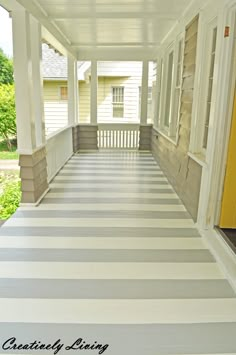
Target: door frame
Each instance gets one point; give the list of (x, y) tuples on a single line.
[(212, 182)]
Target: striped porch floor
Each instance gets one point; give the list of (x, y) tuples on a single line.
[(111, 257)]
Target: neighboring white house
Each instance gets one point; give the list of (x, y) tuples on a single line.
[(119, 91)]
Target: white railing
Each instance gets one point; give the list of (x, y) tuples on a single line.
[(118, 136), (59, 149)]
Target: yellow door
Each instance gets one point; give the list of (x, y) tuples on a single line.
[(228, 208)]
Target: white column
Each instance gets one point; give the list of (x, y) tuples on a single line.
[(144, 94), (26, 138), (72, 91), (93, 93), (37, 79)]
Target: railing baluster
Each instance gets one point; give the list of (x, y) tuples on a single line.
[(118, 136), (115, 139)]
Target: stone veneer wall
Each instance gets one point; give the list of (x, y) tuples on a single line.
[(33, 173), (183, 172)]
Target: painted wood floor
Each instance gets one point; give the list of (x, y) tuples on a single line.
[(112, 257)]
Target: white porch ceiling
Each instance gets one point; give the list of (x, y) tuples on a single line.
[(112, 26)]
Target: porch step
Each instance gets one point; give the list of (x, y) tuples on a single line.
[(116, 270)]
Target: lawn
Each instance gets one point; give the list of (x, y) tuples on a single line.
[(10, 193), (6, 154)]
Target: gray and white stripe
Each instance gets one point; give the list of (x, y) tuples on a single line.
[(111, 255)]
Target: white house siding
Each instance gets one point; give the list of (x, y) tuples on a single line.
[(128, 75), (55, 110), (120, 69), (131, 98), (84, 101)]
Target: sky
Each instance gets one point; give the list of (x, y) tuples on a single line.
[(5, 32)]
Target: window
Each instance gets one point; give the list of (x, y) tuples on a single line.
[(204, 87), (159, 84), (168, 90), (209, 90), (63, 93), (177, 89), (118, 102)]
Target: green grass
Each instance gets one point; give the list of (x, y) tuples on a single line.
[(10, 193), (6, 154)]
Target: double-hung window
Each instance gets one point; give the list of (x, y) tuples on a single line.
[(177, 88), (170, 88), (118, 101), (203, 96), (209, 88), (168, 97)]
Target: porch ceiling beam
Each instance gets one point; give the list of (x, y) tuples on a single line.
[(36, 10), (114, 44), (9, 5), (114, 53), (114, 15)]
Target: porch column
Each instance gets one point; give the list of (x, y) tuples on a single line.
[(29, 105), (145, 130), (26, 137), (72, 91), (37, 79), (144, 94), (93, 93), (73, 115)]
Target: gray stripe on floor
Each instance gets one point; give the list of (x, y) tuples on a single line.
[(99, 232), (106, 255), (102, 214), (125, 200), (111, 189), (113, 289)]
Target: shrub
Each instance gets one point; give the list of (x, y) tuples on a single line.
[(7, 113), (9, 196), (6, 69)]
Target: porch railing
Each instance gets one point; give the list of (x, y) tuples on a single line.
[(118, 136), (59, 150)]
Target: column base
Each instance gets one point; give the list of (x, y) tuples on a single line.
[(85, 137), (33, 173), (145, 137)]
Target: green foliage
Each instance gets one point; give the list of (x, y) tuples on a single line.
[(6, 69), (5, 153), (10, 194), (7, 113)]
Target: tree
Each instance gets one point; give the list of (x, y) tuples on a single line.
[(7, 113), (6, 69)]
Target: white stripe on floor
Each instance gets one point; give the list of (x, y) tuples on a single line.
[(104, 207), (118, 311), (101, 243), (107, 270)]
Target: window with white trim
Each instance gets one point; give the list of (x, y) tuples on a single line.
[(63, 93), (159, 83), (205, 77), (169, 80), (177, 89), (170, 88), (118, 101), (209, 90)]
